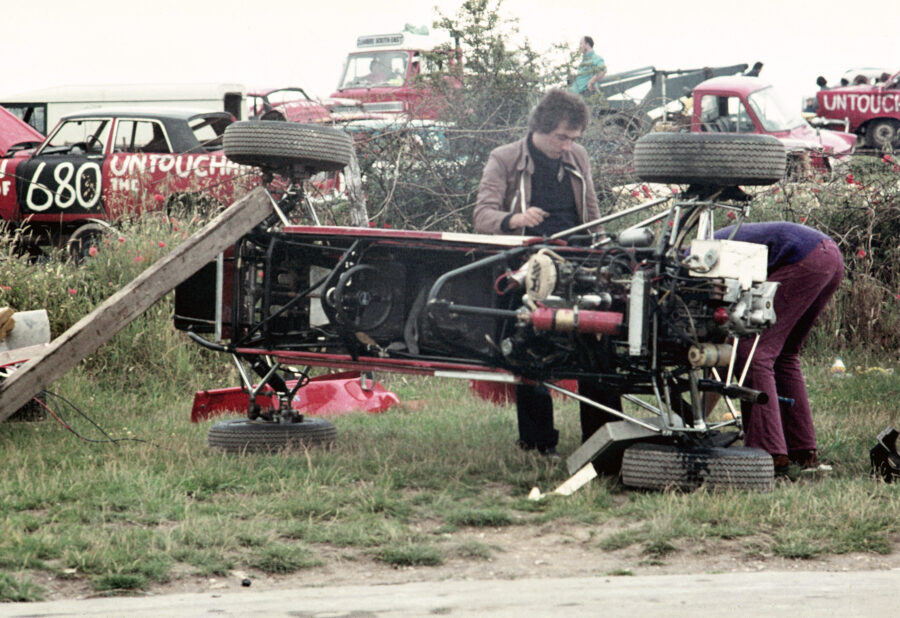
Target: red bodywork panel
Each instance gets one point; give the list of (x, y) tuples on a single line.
[(326, 395), (14, 131)]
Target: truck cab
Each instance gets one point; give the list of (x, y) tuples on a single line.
[(382, 72), (741, 104)]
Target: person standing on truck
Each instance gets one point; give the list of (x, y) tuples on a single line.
[(538, 186), (809, 267), (590, 70)]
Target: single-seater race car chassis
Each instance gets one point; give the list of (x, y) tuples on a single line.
[(652, 311)]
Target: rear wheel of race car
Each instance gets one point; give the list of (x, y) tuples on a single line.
[(242, 435), (664, 466), (277, 145), (709, 159)]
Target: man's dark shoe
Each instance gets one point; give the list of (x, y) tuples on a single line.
[(782, 465), (549, 452)]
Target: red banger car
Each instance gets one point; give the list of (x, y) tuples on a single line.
[(872, 111), (291, 104), (97, 166)]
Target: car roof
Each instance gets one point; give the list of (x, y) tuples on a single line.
[(738, 84), (146, 112)]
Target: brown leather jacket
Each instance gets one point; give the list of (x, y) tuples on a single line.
[(506, 186)]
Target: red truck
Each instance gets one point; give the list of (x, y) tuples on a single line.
[(871, 111), (382, 72), (741, 104)]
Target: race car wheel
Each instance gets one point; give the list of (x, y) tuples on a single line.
[(242, 435), (664, 466), (82, 239), (709, 159), (278, 145), (881, 133)]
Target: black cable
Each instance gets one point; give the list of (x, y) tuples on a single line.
[(59, 418)]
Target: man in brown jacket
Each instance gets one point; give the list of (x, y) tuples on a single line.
[(538, 186)]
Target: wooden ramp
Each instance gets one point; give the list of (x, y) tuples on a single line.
[(99, 326)]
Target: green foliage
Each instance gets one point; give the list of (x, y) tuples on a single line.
[(425, 175), (14, 590), (860, 209), (69, 291), (479, 518), (411, 555)]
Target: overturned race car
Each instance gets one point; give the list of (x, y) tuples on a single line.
[(652, 312)]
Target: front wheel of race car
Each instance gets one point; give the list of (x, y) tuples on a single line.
[(276, 145), (715, 159), (665, 466), (242, 435)]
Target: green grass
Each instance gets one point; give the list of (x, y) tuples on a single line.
[(137, 500), (126, 516)]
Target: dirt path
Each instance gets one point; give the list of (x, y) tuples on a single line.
[(554, 550)]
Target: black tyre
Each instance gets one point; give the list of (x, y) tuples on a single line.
[(663, 466), (80, 242), (242, 435), (709, 159), (277, 145), (881, 133)]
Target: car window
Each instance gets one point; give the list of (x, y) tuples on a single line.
[(285, 96), (725, 115), (89, 135), (209, 131), (376, 68), (773, 113), (141, 136)]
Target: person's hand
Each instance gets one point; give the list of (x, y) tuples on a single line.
[(532, 217)]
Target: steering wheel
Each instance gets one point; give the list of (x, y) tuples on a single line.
[(91, 141), (363, 298)]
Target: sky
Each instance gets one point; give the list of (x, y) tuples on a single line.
[(303, 43)]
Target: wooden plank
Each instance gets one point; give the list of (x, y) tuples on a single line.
[(96, 328)]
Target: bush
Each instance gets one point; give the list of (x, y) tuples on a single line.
[(860, 209), (147, 349)]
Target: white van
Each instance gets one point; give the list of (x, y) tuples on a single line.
[(43, 108)]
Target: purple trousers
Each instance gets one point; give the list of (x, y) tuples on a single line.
[(806, 287)]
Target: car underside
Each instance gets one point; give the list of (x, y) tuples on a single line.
[(652, 312)]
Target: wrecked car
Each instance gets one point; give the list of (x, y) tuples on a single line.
[(649, 311), (287, 104), (97, 166)]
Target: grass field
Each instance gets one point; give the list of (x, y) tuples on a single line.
[(154, 504), (136, 501)]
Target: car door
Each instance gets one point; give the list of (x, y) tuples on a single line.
[(64, 180)]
